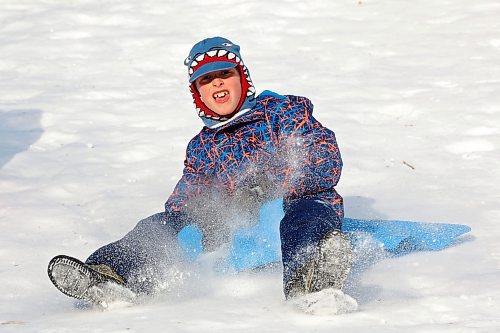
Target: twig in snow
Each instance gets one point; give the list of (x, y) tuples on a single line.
[(409, 165)]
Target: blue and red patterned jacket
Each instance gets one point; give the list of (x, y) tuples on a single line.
[(277, 148)]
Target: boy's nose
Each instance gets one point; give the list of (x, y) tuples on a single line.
[(217, 82)]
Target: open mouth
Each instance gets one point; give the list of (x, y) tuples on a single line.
[(221, 96)]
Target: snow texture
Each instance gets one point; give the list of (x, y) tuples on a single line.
[(95, 114), (327, 302)]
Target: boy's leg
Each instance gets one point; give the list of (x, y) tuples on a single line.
[(143, 255), (315, 253)]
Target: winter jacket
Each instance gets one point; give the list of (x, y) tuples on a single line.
[(277, 148)]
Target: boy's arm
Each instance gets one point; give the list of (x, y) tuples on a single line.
[(190, 185), (312, 157)]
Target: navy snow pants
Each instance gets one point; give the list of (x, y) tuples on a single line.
[(146, 252), (305, 222)]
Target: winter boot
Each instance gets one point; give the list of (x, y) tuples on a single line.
[(76, 279), (328, 267)]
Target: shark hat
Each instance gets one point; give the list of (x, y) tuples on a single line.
[(216, 54)]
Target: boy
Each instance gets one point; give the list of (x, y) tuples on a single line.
[(252, 149)]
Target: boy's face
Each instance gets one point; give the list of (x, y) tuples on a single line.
[(220, 91)]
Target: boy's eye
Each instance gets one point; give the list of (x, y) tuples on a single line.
[(206, 79), (225, 74)]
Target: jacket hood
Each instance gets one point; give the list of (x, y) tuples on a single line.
[(211, 55)]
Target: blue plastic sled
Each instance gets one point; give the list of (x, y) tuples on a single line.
[(260, 245)]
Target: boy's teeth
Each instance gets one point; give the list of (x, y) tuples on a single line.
[(220, 95)]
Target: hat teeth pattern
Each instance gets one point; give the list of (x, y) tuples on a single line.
[(222, 53), (219, 53)]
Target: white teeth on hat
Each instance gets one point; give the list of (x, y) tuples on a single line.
[(222, 53), (219, 53), (251, 89)]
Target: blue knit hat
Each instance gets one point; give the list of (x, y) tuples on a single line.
[(211, 55)]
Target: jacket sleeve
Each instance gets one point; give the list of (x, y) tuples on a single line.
[(311, 161), (191, 184)]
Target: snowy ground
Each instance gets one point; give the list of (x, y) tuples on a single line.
[(95, 115)]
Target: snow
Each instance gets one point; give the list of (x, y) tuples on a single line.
[(95, 115)]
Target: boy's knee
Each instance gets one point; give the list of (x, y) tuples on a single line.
[(309, 213)]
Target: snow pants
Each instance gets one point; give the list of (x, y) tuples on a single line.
[(147, 251)]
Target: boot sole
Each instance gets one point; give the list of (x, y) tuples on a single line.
[(73, 278)]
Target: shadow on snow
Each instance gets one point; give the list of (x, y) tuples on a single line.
[(19, 129)]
